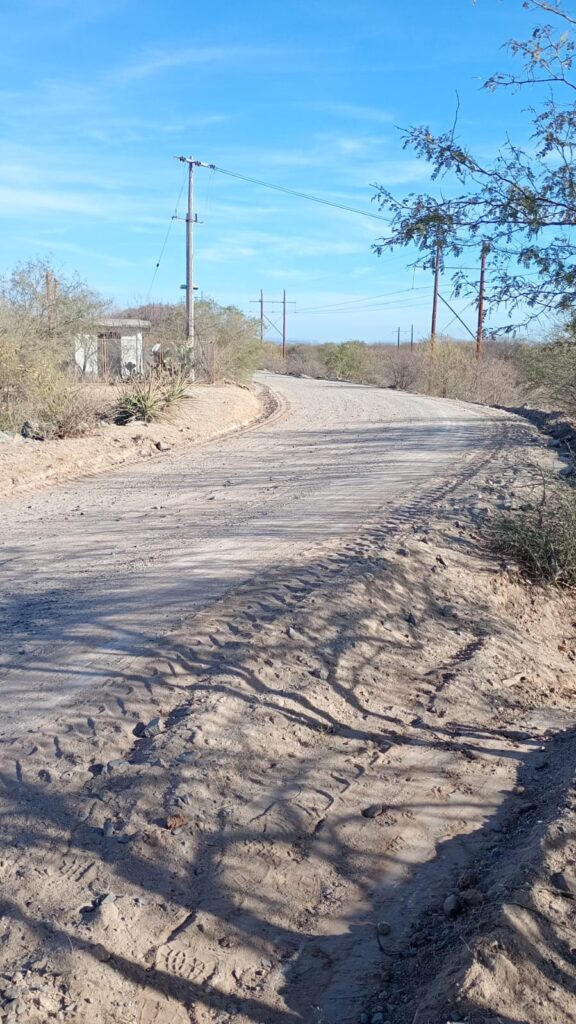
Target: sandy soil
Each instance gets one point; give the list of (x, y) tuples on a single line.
[(337, 794), (28, 466)]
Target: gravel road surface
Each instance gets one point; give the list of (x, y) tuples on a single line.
[(95, 570)]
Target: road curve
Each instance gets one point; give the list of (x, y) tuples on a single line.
[(95, 570)]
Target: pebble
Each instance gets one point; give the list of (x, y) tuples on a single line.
[(119, 764), (451, 906), (12, 992), (154, 726), (320, 673), (175, 821), (411, 619), (162, 446), (403, 552), (373, 811)]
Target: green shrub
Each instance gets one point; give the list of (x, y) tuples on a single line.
[(542, 539)]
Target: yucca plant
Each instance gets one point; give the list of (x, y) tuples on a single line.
[(147, 399)]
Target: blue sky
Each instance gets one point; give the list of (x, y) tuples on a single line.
[(96, 98)]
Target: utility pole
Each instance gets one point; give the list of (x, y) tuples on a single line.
[(260, 302), (434, 316), (273, 302), (190, 263), (480, 330), (412, 336), (191, 220), (435, 299), (398, 337)]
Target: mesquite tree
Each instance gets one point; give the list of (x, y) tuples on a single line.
[(523, 203)]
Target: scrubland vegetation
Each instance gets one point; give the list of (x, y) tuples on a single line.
[(42, 318), (509, 373)]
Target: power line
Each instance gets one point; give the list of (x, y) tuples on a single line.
[(365, 309), (165, 243), (366, 298), (300, 195)]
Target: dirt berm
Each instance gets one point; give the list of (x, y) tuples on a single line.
[(341, 794), (208, 412)]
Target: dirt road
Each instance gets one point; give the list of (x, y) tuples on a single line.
[(93, 571), (332, 796)]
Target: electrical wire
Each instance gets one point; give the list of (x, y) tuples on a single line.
[(300, 195), (369, 309), (165, 243), (335, 306)]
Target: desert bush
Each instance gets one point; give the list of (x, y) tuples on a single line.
[(347, 361), (39, 322), (227, 346), (149, 398), (308, 360), (542, 538), (404, 368), (66, 408), (548, 371)]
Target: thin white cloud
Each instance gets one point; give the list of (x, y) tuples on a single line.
[(126, 130), (355, 112), (167, 60)]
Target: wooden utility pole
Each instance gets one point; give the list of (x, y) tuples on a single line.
[(273, 302), (435, 300), (480, 329), (434, 316), (398, 338), (412, 336)]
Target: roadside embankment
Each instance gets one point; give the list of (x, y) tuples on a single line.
[(209, 412)]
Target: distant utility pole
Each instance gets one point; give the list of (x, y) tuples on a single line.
[(274, 302), (398, 337), (480, 330), (260, 302), (412, 336)]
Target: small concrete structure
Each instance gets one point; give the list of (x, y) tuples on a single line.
[(116, 349)]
